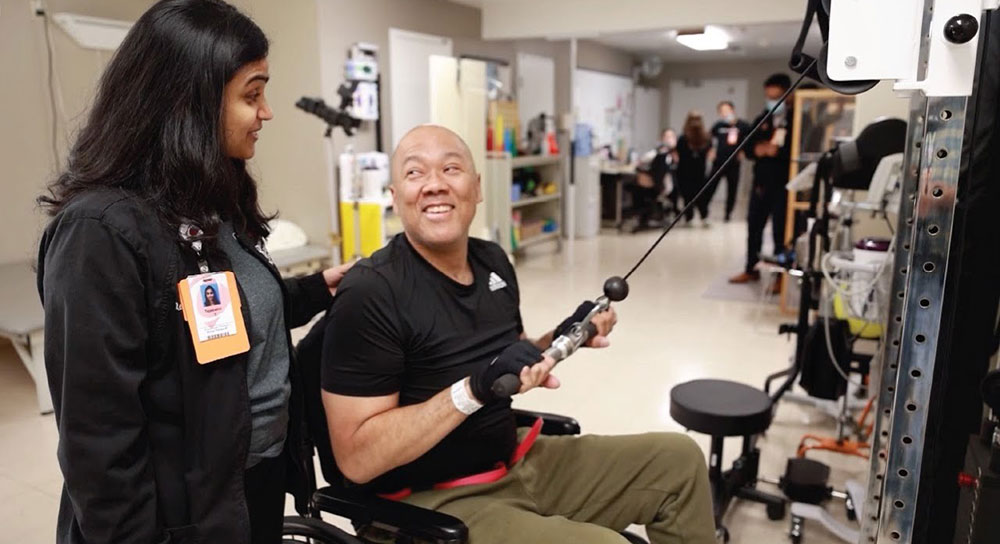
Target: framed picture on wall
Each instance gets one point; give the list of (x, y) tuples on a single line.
[(822, 118)]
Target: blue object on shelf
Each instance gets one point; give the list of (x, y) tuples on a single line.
[(515, 192), (583, 145)]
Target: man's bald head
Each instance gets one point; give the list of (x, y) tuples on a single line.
[(435, 188), (429, 138)]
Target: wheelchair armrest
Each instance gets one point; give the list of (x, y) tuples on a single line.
[(552, 424), (364, 508)]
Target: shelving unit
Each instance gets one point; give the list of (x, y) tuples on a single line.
[(527, 161), (544, 237), (828, 116), (534, 200), (498, 180)]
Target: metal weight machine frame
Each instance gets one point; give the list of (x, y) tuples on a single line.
[(915, 319), (912, 389)]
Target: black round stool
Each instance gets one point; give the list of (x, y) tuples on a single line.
[(721, 408)]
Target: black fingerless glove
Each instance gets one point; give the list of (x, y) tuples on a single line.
[(581, 312), (510, 361)]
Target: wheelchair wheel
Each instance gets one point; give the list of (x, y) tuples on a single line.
[(313, 531), (795, 532), (852, 513)]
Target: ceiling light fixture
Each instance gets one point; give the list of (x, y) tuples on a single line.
[(711, 38)]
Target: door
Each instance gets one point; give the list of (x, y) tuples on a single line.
[(409, 78), (536, 87)]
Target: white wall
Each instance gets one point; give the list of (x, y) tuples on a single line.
[(607, 103), (754, 72), (703, 96), (289, 163), (646, 125), (533, 19), (596, 56), (25, 136), (880, 101)]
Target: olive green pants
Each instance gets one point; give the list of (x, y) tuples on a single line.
[(586, 489)]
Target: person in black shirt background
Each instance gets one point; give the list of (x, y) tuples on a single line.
[(771, 151), (668, 143), (727, 133), (415, 338), (693, 152)]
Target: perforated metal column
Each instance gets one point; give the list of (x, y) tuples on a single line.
[(890, 351), (930, 238)]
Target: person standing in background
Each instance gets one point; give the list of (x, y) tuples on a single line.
[(770, 149), (668, 143), (692, 154), (727, 133)]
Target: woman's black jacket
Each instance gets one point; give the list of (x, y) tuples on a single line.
[(152, 445)]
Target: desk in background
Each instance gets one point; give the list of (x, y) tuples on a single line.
[(613, 179), (299, 261)]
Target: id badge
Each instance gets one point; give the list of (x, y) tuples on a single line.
[(211, 305), (732, 137), (778, 138)]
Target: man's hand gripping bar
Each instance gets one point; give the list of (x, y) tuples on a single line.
[(615, 290)]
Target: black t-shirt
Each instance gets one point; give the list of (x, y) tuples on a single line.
[(398, 324), (772, 171), (691, 161), (727, 138)]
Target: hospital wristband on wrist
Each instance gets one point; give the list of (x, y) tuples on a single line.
[(463, 401)]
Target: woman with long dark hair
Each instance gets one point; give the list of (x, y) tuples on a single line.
[(159, 442), (209, 297), (691, 156)]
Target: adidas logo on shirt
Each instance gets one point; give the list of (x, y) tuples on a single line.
[(496, 282)]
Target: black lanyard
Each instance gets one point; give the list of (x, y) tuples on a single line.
[(192, 234)]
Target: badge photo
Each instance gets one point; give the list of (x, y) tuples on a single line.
[(211, 305), (213, 314)]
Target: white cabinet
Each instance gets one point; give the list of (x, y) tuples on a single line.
[(586, 194)]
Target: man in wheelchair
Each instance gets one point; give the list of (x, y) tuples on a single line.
[(414, 340)]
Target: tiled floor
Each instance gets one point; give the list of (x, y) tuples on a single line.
[(667, 333)]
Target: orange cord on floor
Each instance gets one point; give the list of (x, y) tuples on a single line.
[(859, 448)]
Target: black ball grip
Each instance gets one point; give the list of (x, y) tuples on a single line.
[(506, 385)]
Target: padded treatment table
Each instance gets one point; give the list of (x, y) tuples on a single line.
[(296, 261), (22, 321)]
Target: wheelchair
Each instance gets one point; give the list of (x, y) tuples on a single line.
[(653, 206), (394, 521)]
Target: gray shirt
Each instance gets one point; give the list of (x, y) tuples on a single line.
[(268, 361)]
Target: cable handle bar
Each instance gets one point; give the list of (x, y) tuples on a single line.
[(615, 289)]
